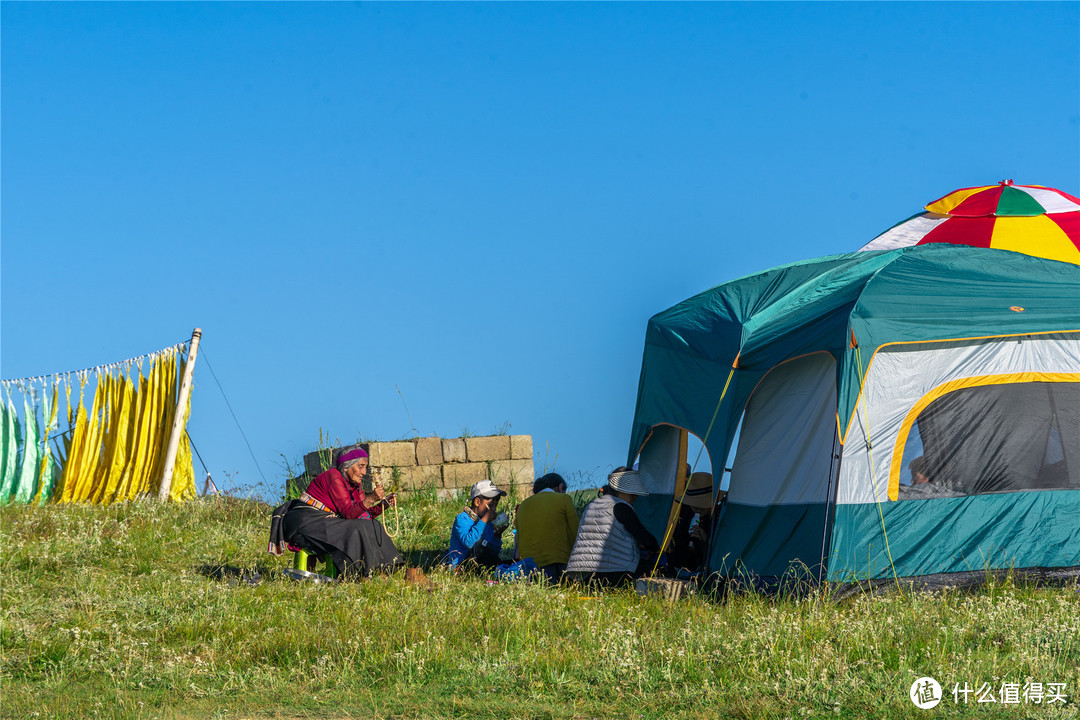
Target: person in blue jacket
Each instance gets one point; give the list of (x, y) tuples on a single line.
[(474, 536)]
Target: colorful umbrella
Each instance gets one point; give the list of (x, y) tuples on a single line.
[(1030, 219)]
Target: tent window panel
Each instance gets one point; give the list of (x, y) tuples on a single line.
[(659, 459), (785, 448), (1065, 401), (996, 438)]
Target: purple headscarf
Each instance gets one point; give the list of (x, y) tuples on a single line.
[(350, 457)]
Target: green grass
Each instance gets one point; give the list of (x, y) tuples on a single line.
[(143, 611)]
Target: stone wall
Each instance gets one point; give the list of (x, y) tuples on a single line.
[(443, 463)]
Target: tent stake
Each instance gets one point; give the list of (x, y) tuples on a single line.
[(178, 418)]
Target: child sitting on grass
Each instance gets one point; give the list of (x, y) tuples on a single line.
[(476, 541)]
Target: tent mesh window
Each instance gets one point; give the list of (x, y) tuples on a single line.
[(997, 438)]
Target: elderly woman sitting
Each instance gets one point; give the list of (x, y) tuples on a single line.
[(335, 517), (611, 538)]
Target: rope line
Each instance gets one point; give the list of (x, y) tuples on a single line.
[(192, 442), (98, 368), (229, 405), (870, 458)]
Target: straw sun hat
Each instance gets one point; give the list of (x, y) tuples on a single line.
[(628, 482), (699, 491)]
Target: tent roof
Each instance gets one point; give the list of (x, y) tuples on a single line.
[(931, 292), (920, 293)]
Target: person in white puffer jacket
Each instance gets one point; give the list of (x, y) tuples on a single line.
[(610, 536)]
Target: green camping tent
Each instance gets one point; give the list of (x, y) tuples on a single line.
[(835, 374)]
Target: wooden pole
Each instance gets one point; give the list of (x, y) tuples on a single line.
[(178, 418)]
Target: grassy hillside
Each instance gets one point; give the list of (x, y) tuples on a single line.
[(146, 611)]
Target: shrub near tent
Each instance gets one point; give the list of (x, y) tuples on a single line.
[(842, 370)]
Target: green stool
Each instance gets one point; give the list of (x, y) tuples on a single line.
[(300, 562)]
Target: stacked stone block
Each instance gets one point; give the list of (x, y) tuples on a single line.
[(444, 463)]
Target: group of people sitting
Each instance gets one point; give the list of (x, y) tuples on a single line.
[(607, 546), (334, 518)]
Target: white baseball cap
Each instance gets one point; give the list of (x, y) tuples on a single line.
[(485, 488)]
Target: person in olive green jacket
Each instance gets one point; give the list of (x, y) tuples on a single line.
[(547, 525)]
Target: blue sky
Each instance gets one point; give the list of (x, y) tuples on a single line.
[(479, 204)]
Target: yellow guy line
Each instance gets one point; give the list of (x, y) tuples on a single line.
[(870, 456)]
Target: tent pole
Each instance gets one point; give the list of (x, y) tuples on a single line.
[(836, 455), (178, 417)]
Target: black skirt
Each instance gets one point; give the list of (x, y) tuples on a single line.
[(358, 547)]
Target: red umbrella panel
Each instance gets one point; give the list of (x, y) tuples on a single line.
[(1030, 219)]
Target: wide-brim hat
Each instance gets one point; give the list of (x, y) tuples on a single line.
[(699, 491), (628, 482)]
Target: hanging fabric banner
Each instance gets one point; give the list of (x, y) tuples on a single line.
[(113, 451), (28, 467), (183, 481), (47, 473), (10, 441)]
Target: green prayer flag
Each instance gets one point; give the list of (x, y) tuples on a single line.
[(26, 479)]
